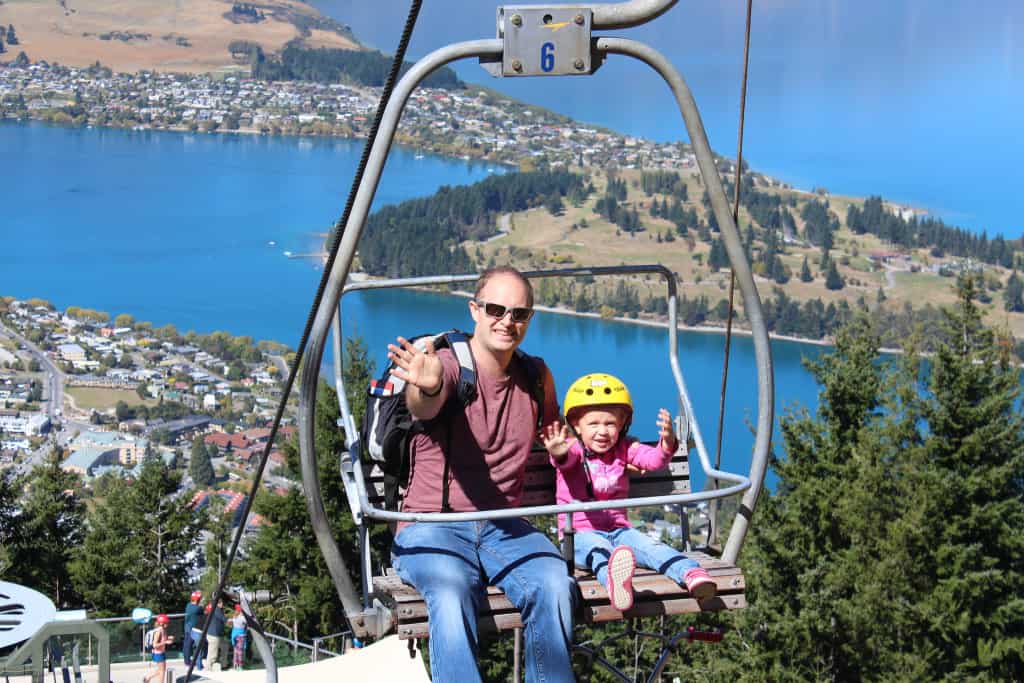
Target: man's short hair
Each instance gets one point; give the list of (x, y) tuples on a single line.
[(486, 276)]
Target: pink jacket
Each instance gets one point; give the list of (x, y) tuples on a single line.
[(610, 481)]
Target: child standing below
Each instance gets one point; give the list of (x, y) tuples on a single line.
[(160, 642), (593, 456)]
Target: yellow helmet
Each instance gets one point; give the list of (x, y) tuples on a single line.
[(598, 390)]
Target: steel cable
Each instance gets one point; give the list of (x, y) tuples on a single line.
[(713, 517), (339, 229)]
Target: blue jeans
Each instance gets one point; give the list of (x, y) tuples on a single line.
[(594, 547), (451, 563)]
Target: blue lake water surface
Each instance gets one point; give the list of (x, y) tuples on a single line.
[(637, 354), (176, 228), (917, 101)]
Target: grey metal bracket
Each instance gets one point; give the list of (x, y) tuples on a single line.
[(32, 649), (544, 41), (374, 622)]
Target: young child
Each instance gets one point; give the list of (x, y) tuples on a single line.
[(593, 456), (160, 642)]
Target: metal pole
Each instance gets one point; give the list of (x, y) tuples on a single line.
[(737, 256), (631, 13), (517, 654), (328, 306)]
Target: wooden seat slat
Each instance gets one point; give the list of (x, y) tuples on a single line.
[(648, 586), (654, 595)]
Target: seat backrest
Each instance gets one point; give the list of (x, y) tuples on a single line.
[(539, 485)]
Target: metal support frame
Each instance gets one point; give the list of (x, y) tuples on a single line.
[(619, 15), (32, 649), (352, 475)]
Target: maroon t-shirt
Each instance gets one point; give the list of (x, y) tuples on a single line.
[(488, 443)]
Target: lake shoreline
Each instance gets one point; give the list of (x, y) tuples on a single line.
[(704, 329)]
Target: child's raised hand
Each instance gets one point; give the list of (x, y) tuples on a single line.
[(669, 443), (556, 439)]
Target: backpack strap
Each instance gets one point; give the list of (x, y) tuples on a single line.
[(458, 342), (465, 392), (535, 379)]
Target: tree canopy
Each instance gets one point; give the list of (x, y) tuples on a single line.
[(892, 546), (140, 546)]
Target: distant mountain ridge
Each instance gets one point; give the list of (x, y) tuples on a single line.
[(187, 36)]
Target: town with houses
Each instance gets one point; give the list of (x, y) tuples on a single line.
[(46, 356), (39, 344), (473, 123)]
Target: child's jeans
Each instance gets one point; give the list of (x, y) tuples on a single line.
[(594, 547)]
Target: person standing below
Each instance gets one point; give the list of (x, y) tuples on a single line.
[(193, 612), (160, 642), (593, 457), (238, 633), (474, 458), (214, 633)]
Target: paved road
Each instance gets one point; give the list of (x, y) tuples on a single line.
[(53, 398), (53, 386)]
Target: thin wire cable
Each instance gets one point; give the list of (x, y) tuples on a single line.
[(338, 232), (732, 274)]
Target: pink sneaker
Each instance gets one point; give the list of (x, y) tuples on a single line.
[(700, 584), (621, 566)]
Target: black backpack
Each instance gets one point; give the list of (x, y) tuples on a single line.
[(388, 428)]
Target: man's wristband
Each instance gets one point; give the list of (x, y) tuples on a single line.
[(437, 391)]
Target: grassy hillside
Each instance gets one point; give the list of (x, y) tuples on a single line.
[(167, 35), (874, 272)]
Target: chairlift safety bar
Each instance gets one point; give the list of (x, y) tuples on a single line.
[(352, 475)]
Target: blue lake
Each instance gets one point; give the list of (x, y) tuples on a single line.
[(176, 228), (914, 101), (184, 229)]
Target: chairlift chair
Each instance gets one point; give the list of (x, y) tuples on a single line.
[(524, 47)]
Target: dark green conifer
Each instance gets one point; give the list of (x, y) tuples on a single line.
[(805, 272)]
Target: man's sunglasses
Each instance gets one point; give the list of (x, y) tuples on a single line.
[(497, 311)]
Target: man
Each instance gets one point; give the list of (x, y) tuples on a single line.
[(193, 612), (215, 633), (474, 458)]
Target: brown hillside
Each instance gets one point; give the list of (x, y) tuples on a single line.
[(165, 35)]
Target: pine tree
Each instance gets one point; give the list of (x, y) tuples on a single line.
[(833, 280), (805, 272), (817, 607), (219, 530), (805, 552), (11, 536), (51, 524), (139, 545), (965, 541), (284, 555), (717, 258), (357, 373), (553, 203), (1013, 295), (200, 468)]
